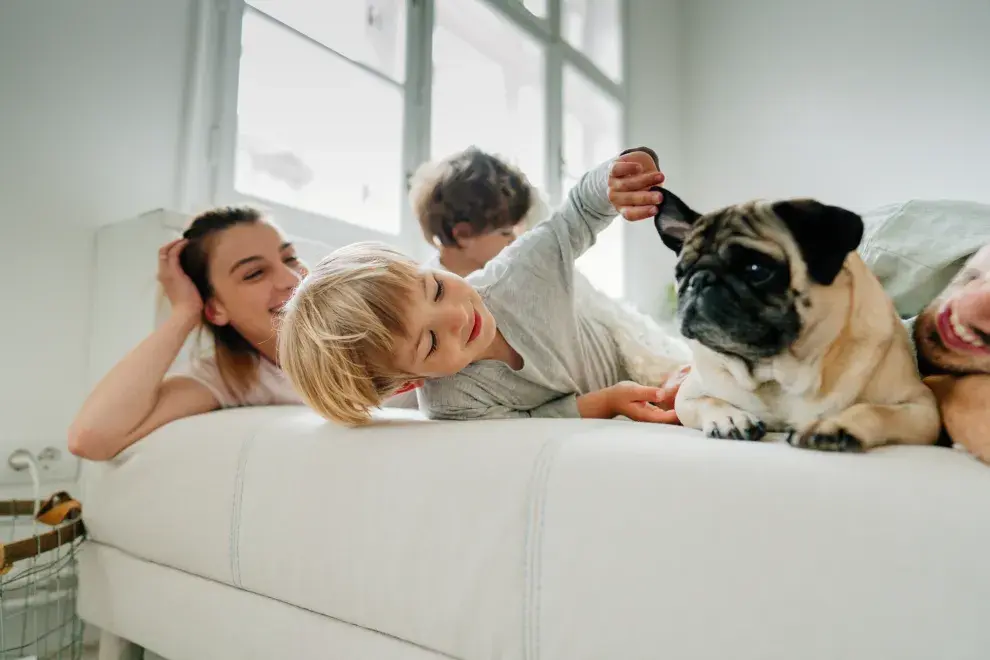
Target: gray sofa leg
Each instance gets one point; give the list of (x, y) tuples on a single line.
[(117, 648)]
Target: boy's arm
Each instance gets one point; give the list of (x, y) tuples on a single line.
[(552, 246), (588, 209), (565, 406), (629, 399), (459, 398), (548, 250)]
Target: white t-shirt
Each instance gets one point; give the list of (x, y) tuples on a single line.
[(272, 389)]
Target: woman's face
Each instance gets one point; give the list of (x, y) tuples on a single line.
[(253, 270)]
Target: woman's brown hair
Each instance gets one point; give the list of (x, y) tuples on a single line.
[(236, 358)]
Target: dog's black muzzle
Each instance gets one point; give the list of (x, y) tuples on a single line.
[(728, 317)]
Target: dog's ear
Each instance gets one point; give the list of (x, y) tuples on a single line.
[(824, 234), (674, 220)]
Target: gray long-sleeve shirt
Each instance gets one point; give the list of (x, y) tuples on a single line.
[(529, 289)]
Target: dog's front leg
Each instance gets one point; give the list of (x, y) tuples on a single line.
[(716, 417), (864, 426)]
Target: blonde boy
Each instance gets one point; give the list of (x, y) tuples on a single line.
[(507, 341)]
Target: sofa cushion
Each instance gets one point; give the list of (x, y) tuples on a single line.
[(554, 539)]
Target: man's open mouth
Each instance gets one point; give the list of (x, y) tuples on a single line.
[(957, 336)]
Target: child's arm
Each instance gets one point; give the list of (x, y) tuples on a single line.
[(618, 185), (629, 399), (599, 195)]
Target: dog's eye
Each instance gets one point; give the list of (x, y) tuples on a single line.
[(758, 273), (756, 268)]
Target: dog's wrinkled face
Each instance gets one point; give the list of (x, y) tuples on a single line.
[(748, 275)]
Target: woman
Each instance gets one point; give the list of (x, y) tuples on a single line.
[(228, 275)]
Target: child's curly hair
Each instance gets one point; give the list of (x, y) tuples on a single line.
[(337, 332), (470, 186)]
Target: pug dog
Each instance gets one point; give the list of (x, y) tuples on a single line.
[(789, 330)]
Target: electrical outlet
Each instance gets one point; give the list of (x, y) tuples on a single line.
[(54, 465)]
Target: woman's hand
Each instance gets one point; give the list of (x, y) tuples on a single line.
[(629, 182), (179, 289)]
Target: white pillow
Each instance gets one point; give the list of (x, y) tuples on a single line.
[(915, 248)]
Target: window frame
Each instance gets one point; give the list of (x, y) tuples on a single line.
[(215, 119)]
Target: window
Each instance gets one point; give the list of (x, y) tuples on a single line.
[(536, 7), (302, 145), (594, 27), (592, 133), (319, 112), (370, 32), (325, 108), (488, 87)]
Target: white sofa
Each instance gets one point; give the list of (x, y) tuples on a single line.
[(268, 533)]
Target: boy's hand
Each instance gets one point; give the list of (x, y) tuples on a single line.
[(635, 401), (629, 182)]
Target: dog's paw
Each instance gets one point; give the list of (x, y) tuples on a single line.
[(729, 423), (838, 440)]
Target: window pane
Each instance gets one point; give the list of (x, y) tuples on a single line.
[(488, 87), (594, 27), (372, 32), (315, 132), (592, 134), (536, 7)]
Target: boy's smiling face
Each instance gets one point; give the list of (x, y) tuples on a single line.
[(448, 327), (953, 333)]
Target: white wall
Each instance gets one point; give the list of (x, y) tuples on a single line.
[(90, 116), (858, 103), (653, 118)]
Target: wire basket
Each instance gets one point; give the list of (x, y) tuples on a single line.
[(38, 578)]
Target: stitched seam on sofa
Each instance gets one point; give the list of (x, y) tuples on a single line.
[(534, 546), (235, 511), (279, 600)]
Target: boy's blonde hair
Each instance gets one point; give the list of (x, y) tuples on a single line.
[(337, 332)]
